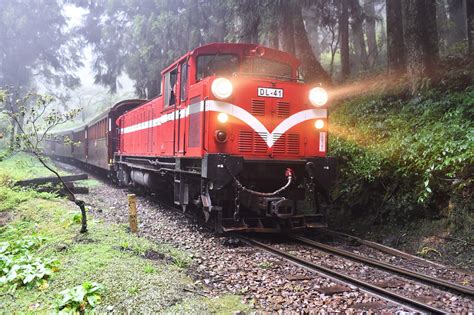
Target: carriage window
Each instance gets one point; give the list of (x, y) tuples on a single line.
[(216, 64), (170, 87), (184, 81)]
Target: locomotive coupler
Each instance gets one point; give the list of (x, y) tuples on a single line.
[(280, 207)]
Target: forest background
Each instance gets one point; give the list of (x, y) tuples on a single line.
[(400, 75)]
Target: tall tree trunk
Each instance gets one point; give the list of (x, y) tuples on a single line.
[(470, 24), (12, 106), (247, 22), (456, 17), (443, 25), (312, 70), (421, 37), (344, 34), (285, 26), (12, 135), (370, 31), (312, 29), (431, 34), (273, 39), (219, 29), (395, 46), (359, 40)]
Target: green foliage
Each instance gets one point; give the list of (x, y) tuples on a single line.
[(35, 117), (11, 197), (76, 218), (149, 269), (81, 298), (4, 154), (265, 265), (19, 267), (96, 256), (179, 258), (404, 157)]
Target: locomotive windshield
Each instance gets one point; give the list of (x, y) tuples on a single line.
[(228, 64), (216, 64), (267, 68)]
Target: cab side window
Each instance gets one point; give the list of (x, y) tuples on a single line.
[(184, 81), (171, 79)]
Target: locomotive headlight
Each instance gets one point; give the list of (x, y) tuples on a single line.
[(222, 88), (222, 118), (319, 124), (318, 96)]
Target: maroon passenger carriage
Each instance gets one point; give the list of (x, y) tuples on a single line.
[(92, 144), (235, 134)]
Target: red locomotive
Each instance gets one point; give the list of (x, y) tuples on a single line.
[(234, 133)]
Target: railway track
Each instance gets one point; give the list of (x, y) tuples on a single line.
[(454, 287), (393, 297), (398, 299)]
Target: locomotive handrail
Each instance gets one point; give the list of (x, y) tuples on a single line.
[(157, 162)]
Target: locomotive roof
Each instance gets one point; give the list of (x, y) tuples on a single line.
[(241, 49)]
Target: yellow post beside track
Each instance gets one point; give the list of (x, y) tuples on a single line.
[(132, 207)]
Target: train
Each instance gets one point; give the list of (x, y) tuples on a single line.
[(235, 136)]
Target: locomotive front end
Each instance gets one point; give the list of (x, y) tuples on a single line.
[(267, 132)]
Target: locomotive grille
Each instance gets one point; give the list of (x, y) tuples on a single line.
[(245, 141), (258, 107), (293, 145), (280, 144), (250, 141), (260, 142), (286, 143), (283, 109)]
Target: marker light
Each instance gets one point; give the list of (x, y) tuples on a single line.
[(222, 118), (221, 136), (222, 88), (319, 124), (318, 96)]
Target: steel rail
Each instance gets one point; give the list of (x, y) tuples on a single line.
[(382, 265), (384, 249), (366, 286)]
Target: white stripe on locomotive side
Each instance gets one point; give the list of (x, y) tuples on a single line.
[(235, 111)]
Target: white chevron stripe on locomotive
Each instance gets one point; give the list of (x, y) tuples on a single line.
[(235, 111)]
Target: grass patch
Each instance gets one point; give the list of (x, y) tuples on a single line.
[(17, 167), (134, 275), (228, 304), (22, 166)]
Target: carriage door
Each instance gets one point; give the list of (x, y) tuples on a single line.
[(180, 114)]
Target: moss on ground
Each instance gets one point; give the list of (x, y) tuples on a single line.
[(107, 254)]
